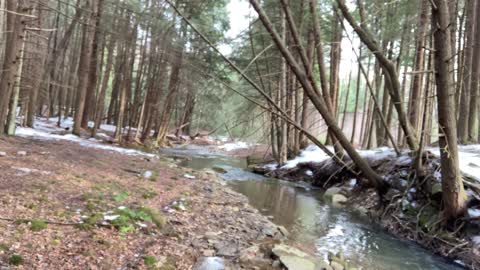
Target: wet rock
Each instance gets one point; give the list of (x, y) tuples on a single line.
[(3, 154), (269, 230), (209, 172), (339, 200), (276, 264), (330, 192), (219, 169), (283, 230), (210, 263), (336, 266), (295, 259), (21, 153)]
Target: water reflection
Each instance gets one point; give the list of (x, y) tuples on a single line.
[(330, 229)]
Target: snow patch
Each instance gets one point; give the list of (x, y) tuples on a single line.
[(111, 217), (43, 135), (473, 213), (234, 146), (469, 160), (189, 176)]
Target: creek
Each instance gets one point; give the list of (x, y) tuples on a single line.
[(314, 224)]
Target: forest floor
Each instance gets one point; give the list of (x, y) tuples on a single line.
[(67, 206)]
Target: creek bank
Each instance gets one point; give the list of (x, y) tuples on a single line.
[(411, 209)]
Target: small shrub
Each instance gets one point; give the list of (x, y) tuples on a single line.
[(15, 259)]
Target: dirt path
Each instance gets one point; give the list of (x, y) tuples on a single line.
[(63, 206)]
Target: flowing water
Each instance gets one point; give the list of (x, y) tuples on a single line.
[(315, 224)]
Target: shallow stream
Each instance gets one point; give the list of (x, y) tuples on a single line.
[(314, 224)]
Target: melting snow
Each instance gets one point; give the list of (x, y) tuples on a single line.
[(233, 146), (111, 217), (91, 143), (474, 213), (469, 158), (189, 176), (314, 154)]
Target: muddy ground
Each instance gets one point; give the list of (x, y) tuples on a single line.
[(63, 206)]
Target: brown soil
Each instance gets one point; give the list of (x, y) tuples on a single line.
[(59, 181)]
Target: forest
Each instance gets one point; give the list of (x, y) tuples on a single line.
[(339, 79)]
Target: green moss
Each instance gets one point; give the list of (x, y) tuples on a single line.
[(15, 259), (121, 197), (38, 225), (150, 261), (152, 215)]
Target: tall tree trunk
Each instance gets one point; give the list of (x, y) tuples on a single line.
[(93, 70), (357, 96), (466, 72), (418, 67), (10, 61), (100, 107), (454, 197), (474, 83), (12, 112), (83, 70)]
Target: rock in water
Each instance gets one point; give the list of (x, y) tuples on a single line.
[(297, 263), (330, 192), (210, 263), (295, 259), (339, 199), (219, 169), (336, 266)]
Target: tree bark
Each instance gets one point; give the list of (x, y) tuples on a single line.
[(474, 83), (83, 69), (454, 197)]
